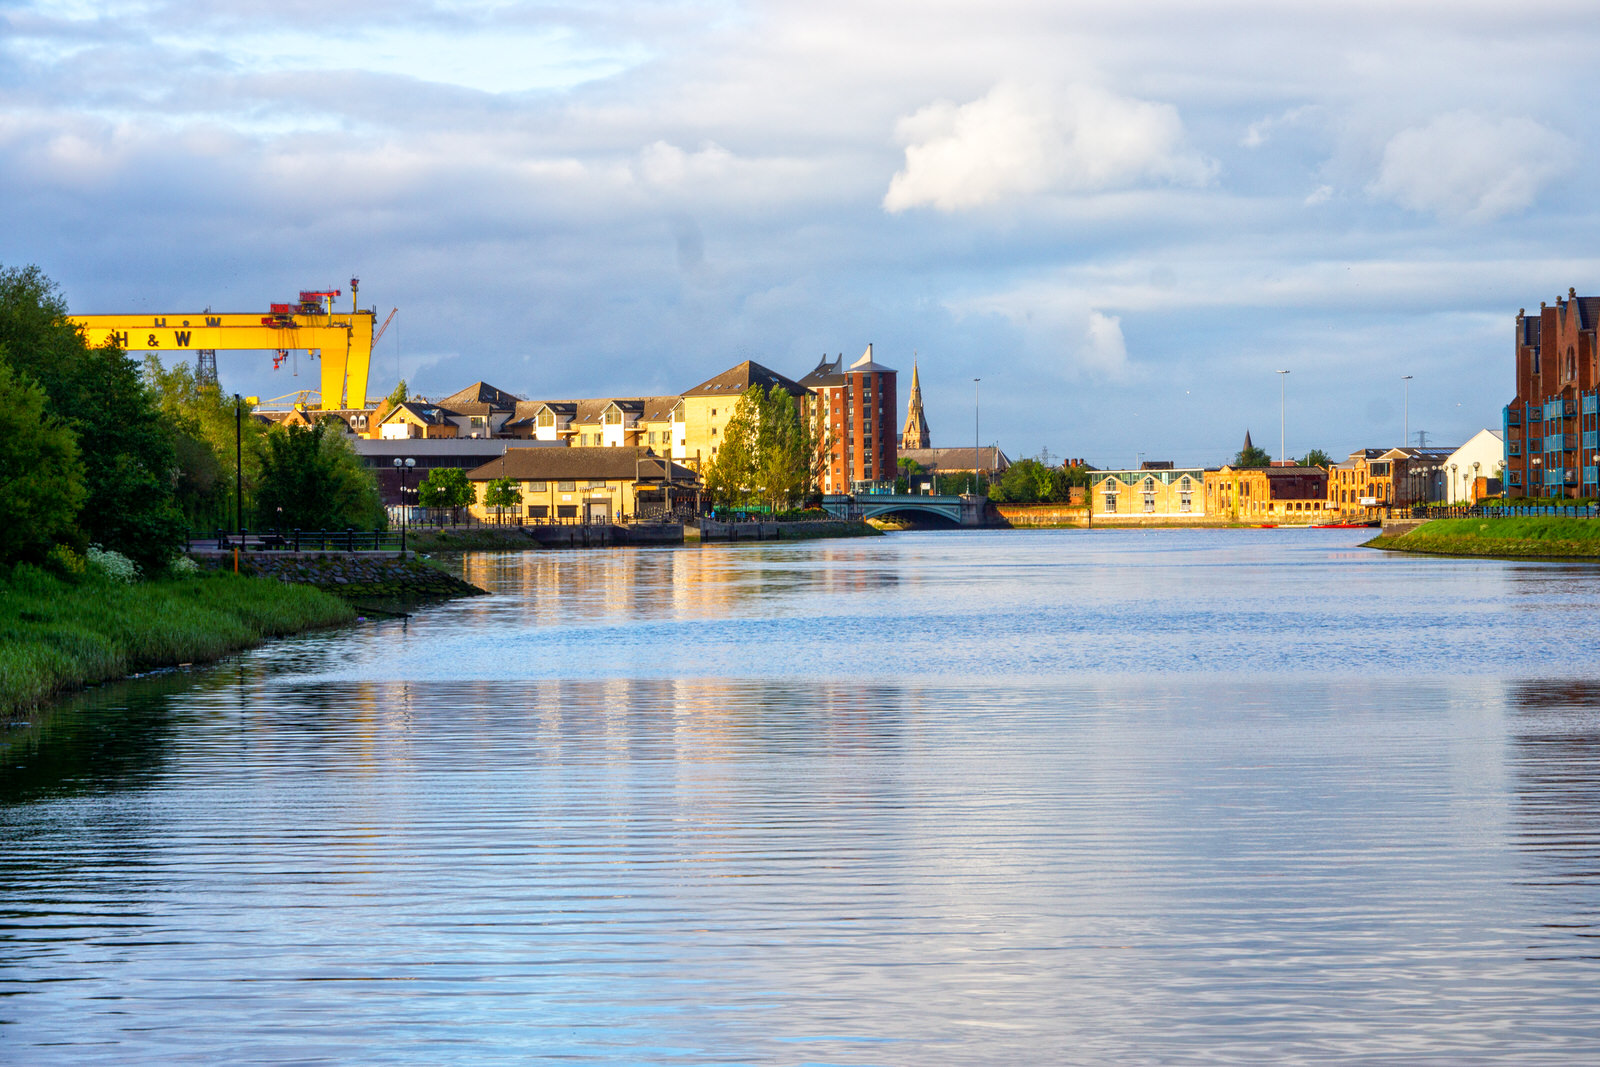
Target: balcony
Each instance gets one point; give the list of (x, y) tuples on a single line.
[(1591, 403), (1569, 441), (1591, 439), (1513, 416), (1591, 475), (1513, 448)]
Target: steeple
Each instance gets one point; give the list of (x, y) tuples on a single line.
[(1247, 445), (915, 434)]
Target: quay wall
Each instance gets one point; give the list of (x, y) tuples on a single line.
[(379, 576)]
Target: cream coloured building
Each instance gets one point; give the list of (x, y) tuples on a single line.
[(1152, 495)]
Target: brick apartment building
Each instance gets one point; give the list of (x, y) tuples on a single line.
[(855, 406), (1552, 440)]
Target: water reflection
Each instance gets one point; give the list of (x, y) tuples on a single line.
[(939, 799), (1556, 758)]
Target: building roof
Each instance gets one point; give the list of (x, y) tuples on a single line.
[(480, 398), (736, 380), (572, 464), (955, 459), (427, 414)]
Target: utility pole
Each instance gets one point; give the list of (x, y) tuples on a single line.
[(1283, 454), (975, 424), (1406, 440), (238, 465)]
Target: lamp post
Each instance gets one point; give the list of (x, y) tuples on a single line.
[(1283, 453), (404, 467), (1406, 407), (975, 416), (1455, 488), (238, 463)]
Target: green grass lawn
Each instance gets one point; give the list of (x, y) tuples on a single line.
[(57, 634), (1523, 537)]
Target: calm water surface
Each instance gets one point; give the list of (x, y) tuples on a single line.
[(1112, 797)]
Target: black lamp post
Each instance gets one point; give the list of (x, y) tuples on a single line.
[(403, 466), (238, 463)]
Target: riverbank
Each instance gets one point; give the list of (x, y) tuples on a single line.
[(1522, 537), (57, 635)]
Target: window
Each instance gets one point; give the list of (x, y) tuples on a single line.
[(1185, 500), (1149, 500), (539, 511), (596, 483), (1111, 501), (713, 431), (613, 418), (566, 487), (536, 487), (546, 419), (566, 511)]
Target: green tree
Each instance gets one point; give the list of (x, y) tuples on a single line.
[(447, 487), (312, 480), (1316, 458), (768, 453), (1254, 456), (123, 441), (41, 477), (201, 421), (502, 493)]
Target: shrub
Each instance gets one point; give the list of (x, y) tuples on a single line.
[(113, 565), (64, 561)]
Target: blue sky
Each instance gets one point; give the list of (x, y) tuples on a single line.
[(1123, 217)]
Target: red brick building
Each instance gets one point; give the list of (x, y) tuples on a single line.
[(1552, 440), (855, 407)]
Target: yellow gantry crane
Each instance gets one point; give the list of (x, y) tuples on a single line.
[(343, 338)]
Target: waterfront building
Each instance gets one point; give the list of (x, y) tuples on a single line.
[(1480, 460), (606, 422), (989, 460), (1387, 477), (852, 410), (397, 485), (1165, 494), (594, 483), (915, 434), (1550, 430), (1281, 493), (700, 420), (481, 410), (413, 418)]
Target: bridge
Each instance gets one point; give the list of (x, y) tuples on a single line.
[(960, 510)]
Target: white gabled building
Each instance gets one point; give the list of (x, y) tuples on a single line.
[(1481, 457)]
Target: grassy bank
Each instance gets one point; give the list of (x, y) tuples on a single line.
[(1522, 537), (57, 635)]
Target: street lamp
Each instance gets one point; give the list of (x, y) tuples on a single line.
[(404, 466), (1455, 487), (1406, 440), (238, 464), (1283, 454), (975, 411)]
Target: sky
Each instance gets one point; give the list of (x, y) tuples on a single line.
[(1124, 218)]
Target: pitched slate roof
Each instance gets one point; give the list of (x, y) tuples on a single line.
[(573, 464), (955, 459), (427, 414), (736, 380), (480, 398)]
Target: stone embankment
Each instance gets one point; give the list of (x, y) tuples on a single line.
[(360, 577), (522, 538), (712, 530)]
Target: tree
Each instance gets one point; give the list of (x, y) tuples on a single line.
[(1254, 456), (1316, 458), (41, 477), (312, 480), (201, 422), (502, 493), (123, 441), (397, 396), (768, 453), (447, 487)]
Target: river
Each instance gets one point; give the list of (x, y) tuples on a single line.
[(959, 798)]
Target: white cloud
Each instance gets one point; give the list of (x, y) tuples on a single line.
[(1106, 351), (1468, 166), (1021, 140)]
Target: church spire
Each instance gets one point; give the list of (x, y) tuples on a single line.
[(916, 431)]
